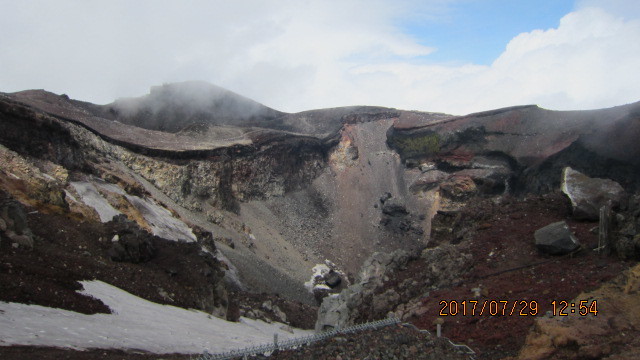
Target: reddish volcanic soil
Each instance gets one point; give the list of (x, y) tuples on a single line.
[(506, 266)]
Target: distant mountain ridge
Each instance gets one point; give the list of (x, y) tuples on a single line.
[(174, 107)]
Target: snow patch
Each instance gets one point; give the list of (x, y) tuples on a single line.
[(135, 323), (108, 187), (161, 220), (319, 271), (91, 197)]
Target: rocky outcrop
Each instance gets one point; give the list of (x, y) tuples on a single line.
[(458, 187), (371, 299), (13, 222), (130, 243), (397, 219), (626, 238), (219, 175), (556, 239), (429, 180), (588, 195), (527, 146), (332, 279), (341, 311)]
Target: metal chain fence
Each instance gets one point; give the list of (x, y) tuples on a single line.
[(308, 340)]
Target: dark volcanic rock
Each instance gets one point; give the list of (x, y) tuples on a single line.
[(626, 241), (588, 195), (132, 249), (332, 279), (398, 220), (386, 196), (535, 143), (130, 243), (556, 239), (394, 208), (13, 222)]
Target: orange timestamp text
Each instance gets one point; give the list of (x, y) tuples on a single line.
[(515, 307)]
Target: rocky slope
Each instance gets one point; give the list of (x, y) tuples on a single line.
[(262, 196)]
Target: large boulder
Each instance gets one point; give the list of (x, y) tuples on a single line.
[(556, 239), (13, 222), (133, 249), (588, 195), (332, 279), (394, 207), (130, 242)]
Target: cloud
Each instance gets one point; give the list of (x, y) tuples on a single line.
[(300, 55), (586, 62), (627, 9)]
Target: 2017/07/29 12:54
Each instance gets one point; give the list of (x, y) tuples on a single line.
[(517, 308)]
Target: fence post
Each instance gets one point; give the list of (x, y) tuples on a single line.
[(603, 230), (438, 321), (275, 342)]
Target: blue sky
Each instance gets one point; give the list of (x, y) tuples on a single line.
[(454, 56), (477, 31)]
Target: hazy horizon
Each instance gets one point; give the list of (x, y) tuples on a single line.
[(452, 56)]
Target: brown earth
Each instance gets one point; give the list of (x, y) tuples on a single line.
[(613, 334), (506, 266)]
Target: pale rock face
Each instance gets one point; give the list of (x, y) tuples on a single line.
[(339, 311), (588, 195)]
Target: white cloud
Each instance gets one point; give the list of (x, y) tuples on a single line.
[(299, 55), (628, 9), (588, 62)]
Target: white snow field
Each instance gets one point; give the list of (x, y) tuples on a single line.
[(135, 324)]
